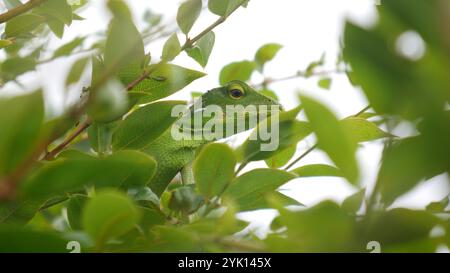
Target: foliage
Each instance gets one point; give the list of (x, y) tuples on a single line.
[(82, 176)]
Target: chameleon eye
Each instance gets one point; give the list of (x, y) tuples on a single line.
[(236, 92)]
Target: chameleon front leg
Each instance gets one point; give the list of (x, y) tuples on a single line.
[(187, 174)]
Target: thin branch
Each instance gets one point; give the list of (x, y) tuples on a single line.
[(298, 74), (4, 17)]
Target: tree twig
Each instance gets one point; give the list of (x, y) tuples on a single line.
[(4, 17)]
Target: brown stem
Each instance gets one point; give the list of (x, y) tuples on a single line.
[(4, 17)]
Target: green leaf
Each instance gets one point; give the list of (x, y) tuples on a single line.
[(13, 67), (214, 169), (100, 136), (144, 125), (325, 83), (121, 169), (165, 81), (21, 120), (236, 71), (57, 9), (317, 170), (185, 199), (67, 48), (188, 13), (269, 93), (16, 239), (405, 164), (352, 203), (19, 212), (202, 49), (76, 71), (22, 24), (5, 43), (108, 215), (332, 138), (108, 103), (124, 46), (56, 26), (322, 228), (75, 209), (266, 53), (248, 189), (362, 130), (171, 48), (224, 7), (281, 158), (439, 206)]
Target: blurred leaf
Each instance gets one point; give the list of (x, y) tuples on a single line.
[(214, 169), (58, 9), (67, 48), (332, 138), (124, 45), (265, 54), (269, 93), (188, 13), (109, 214), (439, 206), (322, 228), (325, 83), (165, 81), (236, 71), (76, 71), (100, 136), (144, 125), (171, 48), (249, 189), (202, 49), (75, 209), (317, 170), (19, 211), (22, 24), (402, 230), (362, 130), (281, 158), (108, 103), (121, 169), (16, 239), (13, 67), (21, 119), (352, 203), (56, 26), (185, 199), (225, 7), (5, 43)]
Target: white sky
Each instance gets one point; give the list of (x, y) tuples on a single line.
[(306, 29)]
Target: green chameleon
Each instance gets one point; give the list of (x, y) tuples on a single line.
[(174, 156)]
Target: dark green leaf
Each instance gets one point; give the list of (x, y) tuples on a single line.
[(75, 209)]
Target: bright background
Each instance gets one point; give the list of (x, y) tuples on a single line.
[(306, 29)]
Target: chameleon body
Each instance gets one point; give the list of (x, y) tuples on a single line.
[(173, 155)]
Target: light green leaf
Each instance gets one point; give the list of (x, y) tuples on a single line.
[(165, 81), (325, 83), (269, 93), (332, 138), (13, 67), (56, 26), (23, 24), (352, 203), (67, 48), (439, 206), (266, 53), (237, 71), (188, 13), (214, 169), (317, 170), (144, 125), (202, 49), (281, 158), (108, 103), (171, 48), (109, 214), (57, 9), (21, 120), (362, 130), (121, 169), (225, 7), (76, 71), (248, 189), (5, 43)]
